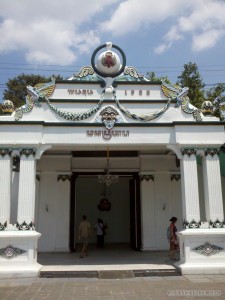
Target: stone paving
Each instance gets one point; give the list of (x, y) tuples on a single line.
[(142, 288)]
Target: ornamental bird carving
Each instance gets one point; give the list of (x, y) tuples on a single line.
[(40, 90), (175, 92)]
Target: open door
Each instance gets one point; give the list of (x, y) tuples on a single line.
[(135, 213)]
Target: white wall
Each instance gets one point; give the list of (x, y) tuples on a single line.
[(53, 213), (160, 200)]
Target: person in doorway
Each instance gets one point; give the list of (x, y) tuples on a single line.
[(84, 234), (174, 246), (100, 233)]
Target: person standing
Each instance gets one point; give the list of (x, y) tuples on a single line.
[(174, 246), (100, 233), (84, 234)]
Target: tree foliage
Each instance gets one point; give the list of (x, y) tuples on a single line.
[(17, 87), (153, 78), (190, 77), (217, 93)]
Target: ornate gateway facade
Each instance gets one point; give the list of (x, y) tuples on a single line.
[(109, 143)]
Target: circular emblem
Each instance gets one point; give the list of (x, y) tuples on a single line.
[(108, 63)]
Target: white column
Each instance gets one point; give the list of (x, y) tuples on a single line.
[(5, 186), (148, 213), (189, 183), (212, 185), (26, 198)]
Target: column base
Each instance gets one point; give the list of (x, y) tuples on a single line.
[(201, 269), (202, 251), (20, 272), (18, 254)]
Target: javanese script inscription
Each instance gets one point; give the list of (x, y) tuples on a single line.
[(128, 93), (79, 92), (108, 134)]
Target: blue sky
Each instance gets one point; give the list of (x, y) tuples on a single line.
[(58, 37)]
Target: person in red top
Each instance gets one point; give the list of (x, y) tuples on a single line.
[(174, 246)]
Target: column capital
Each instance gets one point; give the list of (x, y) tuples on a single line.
[(25, 226), (5, 151), (27, 152), (175, 177), (211, 151), (146, 177), (217, 223), (193, 224), (188, 151), (3, 226), (64, 177)]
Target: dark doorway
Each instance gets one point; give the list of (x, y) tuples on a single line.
[(135, 217)]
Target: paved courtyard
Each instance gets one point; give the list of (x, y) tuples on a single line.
[(167, 287)]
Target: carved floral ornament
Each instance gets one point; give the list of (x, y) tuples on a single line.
[(193, 224), (217, 224), (21, 151), (188, 152), (207, 249), (25, 226), (3, 226), (212, 151), (27, 152), (10, 252), (5, 151)]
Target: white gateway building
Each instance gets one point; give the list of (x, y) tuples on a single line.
[(109, 143)]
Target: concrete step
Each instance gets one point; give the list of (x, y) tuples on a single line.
[(110, 274)]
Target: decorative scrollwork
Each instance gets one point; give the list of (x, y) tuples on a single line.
[(207, 249), (188, 152), (132, 72), (85, 71), (24, 226), (3, 226), (146, 177), (10, 252), (212, 151), (193, 224)]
